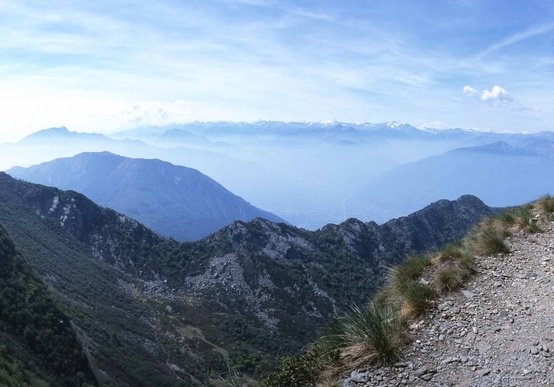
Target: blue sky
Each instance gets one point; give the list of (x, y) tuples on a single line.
[(104, 65)]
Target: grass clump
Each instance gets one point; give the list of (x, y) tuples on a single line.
[(418, 297), (525, 220), (520, 217), (409, 270), (546, 205), (488, 238), (413, 267), (508, 218), (451, 278), (374, 331), (467, 262), (367, 335), (415, 295), (453, 251)]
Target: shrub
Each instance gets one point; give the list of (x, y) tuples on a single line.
[(300, 370)]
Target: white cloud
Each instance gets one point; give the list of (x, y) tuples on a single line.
[(470, 91), (497, 96)]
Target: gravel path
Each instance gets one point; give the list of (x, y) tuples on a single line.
[(497, 331)]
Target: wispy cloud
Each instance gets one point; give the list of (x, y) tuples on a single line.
[(517, 38)]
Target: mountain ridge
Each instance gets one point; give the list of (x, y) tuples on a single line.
[(175, 201)]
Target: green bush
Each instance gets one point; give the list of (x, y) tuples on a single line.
[(298, 371)]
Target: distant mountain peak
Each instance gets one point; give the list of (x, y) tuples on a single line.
[(59, 133), (52, 131), (173, 200)]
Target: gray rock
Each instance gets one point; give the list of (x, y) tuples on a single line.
[(483, 372)]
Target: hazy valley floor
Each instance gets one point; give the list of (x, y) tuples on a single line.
[(497, 331)]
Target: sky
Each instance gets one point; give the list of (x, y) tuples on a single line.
[(107, 65)]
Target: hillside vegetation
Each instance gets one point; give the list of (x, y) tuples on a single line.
[(39, 346)]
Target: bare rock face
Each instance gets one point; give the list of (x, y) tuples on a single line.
[(497, 331)]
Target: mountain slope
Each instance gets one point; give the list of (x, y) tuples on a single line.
[(499, 174), (33, 331), (156, 312), (174, 201)]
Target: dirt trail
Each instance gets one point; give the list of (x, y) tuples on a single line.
[(497, 331)]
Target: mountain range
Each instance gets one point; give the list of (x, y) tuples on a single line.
[(152, 311), (312, 174), (173, 200)]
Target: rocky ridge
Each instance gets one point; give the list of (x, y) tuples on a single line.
[(496, 331)]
